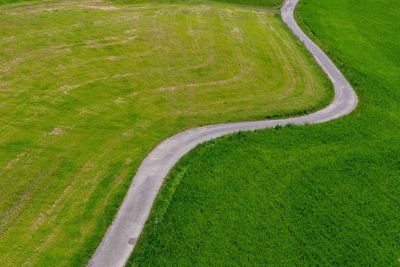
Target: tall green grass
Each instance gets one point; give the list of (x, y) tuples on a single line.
[(311, 195)]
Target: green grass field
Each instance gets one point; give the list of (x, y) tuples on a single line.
[(323, 195), (87, 89)]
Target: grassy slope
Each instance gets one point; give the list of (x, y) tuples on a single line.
[(87, 92), (316, 195)]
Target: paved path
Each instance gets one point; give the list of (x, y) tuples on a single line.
[(122, 235)]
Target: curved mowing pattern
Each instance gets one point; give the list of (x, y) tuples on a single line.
[(121, 237), (88, 89)]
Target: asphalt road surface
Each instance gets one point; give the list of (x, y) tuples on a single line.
[(121, 237)]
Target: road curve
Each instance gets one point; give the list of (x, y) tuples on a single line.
[(121, 237)]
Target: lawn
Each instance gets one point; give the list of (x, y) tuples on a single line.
[(322, 195), (88, 88)]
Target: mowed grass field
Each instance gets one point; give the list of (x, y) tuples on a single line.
[(88, 88), (323, 195)]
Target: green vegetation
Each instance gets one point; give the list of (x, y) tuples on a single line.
[(316, 195), (87, 89), (13, 1), (258, 3)]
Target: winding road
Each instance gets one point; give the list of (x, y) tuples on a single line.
[(121, 237)]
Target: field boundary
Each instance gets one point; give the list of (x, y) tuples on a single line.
[(122, 235)]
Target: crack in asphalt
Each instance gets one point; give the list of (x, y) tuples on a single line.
[(122, 235)]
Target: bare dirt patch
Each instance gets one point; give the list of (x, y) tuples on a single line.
[(57, 131)]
